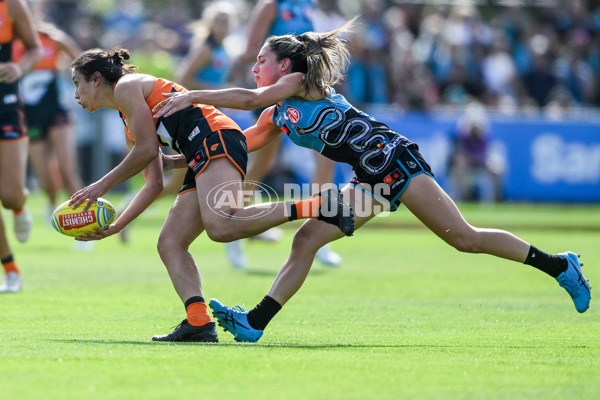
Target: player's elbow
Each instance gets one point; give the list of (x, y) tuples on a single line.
[(155, 186), (146, 152), (253, 101)]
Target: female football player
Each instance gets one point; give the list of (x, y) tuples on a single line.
[(16, 21), (52, 139), (296, 74), (213, 149)]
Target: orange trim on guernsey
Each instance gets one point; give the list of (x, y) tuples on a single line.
[(207, 161), (50, 56), (225, 154), (6, 26), (216, 119), (228, 156)]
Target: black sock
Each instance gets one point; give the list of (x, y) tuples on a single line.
[(261, 315), (292, 211), (7, 259), (551, 264), (193, 299)]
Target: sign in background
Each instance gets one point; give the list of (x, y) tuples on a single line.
[(542, 160)]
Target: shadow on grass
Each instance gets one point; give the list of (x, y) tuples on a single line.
[(265, 272), (311, 346), (229, 344)]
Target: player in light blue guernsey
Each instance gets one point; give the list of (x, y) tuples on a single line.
[(207, 64), (334, 128), (293, 16), (296, 73), (275, 18)]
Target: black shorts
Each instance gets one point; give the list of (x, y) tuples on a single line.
[(409, 163), (44, 116), (228, 143), (12, 123)]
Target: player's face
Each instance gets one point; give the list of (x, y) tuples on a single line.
[(85, 92), (220, 26), (267, 69)]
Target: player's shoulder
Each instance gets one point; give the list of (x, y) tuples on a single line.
[(133, 80), (130, 84)]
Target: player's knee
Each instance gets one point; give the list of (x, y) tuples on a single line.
[(12, 200), (165, 245), (304, 241), (221, 233), (161, 246), (465, 243)]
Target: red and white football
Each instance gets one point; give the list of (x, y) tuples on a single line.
[(75, 222)]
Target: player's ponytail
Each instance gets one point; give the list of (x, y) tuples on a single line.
[(323, 57), (110, 64)]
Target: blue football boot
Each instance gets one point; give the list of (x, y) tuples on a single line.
[(573, 281), (235, 321)]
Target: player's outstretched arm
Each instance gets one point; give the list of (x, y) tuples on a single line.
[(263, 132), (238, 98)]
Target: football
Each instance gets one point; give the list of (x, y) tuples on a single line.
[(75, 222)]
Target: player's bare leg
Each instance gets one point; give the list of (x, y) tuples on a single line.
[(225, 218), (13, 166), (182, 226), (312, 235)]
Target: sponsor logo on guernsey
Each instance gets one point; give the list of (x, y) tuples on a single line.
[(10, 132), (293, 114), (195, 132), (395, 178), (197, 160), (411, 164), (77, 220), (10, 99)]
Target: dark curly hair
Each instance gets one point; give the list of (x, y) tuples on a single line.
[(110, 64)]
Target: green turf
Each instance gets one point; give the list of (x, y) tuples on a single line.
[(405, 317)]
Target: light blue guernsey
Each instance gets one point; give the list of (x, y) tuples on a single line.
[(293, 17), (342, 133)]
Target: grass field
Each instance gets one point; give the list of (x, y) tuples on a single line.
[(405, 317)]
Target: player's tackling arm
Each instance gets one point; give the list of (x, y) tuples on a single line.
[(238, 98), (261, 133)]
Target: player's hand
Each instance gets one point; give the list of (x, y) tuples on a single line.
[(89, 193), (174, 102), (98, 234), (10, 72)]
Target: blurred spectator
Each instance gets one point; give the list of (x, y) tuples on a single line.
[(205, 66), (539, 81), (472, 178), (456, 50), (367, 76)]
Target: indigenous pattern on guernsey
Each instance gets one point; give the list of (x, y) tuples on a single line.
[(342, 133), (185, 130), (293, 17)]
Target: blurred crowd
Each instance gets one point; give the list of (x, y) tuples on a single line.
[(540, 57), (509, 55)]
